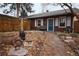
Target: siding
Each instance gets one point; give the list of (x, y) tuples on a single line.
[(32, 23), (56, 28)]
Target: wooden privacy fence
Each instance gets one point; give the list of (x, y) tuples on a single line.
[(8, 23), (26, 24), (76, 26)]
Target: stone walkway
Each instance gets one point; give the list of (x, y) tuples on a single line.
[(58, 46)]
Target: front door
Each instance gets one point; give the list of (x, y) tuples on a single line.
[(50, 24)]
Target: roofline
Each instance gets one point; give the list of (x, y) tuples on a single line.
[(8, 16), (49, 15)]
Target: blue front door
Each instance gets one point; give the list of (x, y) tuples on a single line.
[(50, 25)]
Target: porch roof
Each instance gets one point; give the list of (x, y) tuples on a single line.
[(53, 13)]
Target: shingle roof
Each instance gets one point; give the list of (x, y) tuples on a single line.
[(52, 13)]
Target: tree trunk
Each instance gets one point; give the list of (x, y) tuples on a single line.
[(22, 24), (18, 7), (18, 12)]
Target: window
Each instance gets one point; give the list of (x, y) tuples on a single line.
[(62, 22), (38, 22)]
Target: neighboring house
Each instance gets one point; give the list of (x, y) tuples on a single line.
[(54, 21)]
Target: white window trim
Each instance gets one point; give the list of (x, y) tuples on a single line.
[(36, 23), (56, 22), (59, 23), (68, 21), (42, 22)]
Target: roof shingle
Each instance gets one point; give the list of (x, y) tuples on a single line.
[(52, 13)]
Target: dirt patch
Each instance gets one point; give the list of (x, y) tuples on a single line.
[(38, 43)]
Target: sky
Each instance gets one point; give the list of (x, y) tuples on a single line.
[(38, 8)]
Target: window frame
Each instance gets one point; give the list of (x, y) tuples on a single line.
[(60, 21), (36, 24)]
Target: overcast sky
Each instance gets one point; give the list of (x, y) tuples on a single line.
[(38, 8)]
